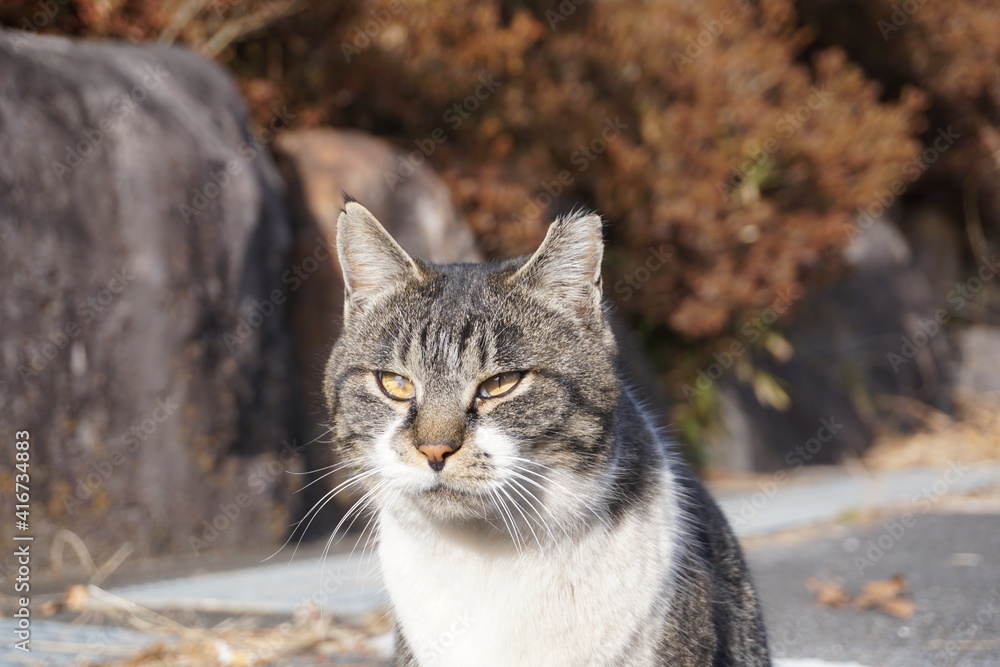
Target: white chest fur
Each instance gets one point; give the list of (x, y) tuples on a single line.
[(586, 604)]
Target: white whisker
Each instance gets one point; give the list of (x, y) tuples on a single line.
[(498, 503), (520, 511), (316, 508), (537, 506)]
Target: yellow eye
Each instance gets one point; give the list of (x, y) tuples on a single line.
[(396, 386), (498, 385)]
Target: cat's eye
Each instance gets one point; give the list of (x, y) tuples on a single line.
[(498, 385), (396, 386)]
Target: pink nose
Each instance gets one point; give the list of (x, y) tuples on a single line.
[(436, 453)]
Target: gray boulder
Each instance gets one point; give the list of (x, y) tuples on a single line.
[(144, 237), (861, 347)]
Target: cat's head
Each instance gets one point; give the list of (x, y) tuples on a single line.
[(474, 391)]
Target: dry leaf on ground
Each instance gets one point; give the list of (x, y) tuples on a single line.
[(885, 595), (827, 593)]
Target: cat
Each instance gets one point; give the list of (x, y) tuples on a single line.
[(529, 513)]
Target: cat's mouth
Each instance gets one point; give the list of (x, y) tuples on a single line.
[(442, 490), (443, 497)]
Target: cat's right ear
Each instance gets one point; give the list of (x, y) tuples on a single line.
[(370, 259), (566, 268)]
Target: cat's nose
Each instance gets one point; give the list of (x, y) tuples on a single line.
[(437, 452)]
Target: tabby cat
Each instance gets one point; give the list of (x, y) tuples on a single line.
[(529, 513)]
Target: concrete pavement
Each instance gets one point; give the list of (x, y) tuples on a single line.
[(917, 528)]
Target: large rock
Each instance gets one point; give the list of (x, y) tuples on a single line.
[(319, 165), (141, 344), (874, 332), (819, 426), (860, 348)]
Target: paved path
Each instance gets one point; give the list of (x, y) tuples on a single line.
[(952, 566), (789, 500), (341, 585), (951, 591)]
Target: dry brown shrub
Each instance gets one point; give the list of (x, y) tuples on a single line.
[(950, 50), (691, 123), (685, 172)]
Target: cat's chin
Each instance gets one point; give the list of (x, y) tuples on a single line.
[(448, 503), (446, 493)]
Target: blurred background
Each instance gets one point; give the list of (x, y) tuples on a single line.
[(803, 247)]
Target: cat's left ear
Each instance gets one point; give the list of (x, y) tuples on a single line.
[(566, 268), (370, 259)]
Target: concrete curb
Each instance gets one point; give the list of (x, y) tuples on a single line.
[(783, 501)]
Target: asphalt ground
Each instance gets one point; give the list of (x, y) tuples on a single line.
[(836, 532), (951, 566)]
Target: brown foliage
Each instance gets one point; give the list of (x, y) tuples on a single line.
[(694, 118), (711, 151), (950, 50)]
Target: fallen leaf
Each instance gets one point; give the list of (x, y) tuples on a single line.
[(886, 596), (880, 590), (827, 593), (899, 607)]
